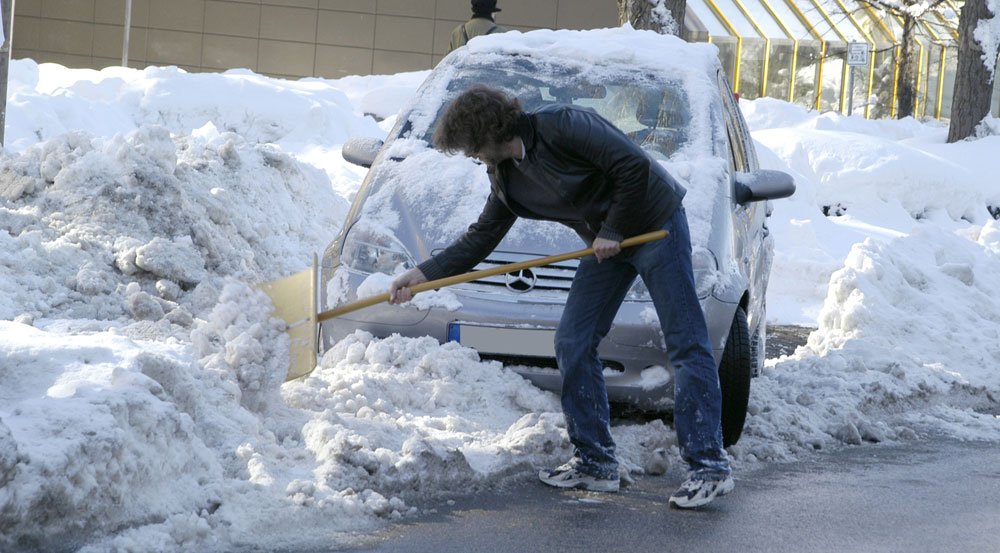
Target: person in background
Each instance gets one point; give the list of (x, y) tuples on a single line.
[(568, 164), (481, 23)]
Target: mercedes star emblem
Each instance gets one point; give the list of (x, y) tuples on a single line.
[(521, 281)]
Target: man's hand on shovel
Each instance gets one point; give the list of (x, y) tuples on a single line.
[(399, 290), (604, 248)]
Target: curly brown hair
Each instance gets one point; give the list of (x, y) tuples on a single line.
[(478, 117)]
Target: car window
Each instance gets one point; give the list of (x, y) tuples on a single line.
[(737, 137), (653, 112)]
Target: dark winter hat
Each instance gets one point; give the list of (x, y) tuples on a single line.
[(484, 6)]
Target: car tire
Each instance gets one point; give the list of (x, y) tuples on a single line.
[(735, 372)]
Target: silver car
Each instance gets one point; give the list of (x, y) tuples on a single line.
[(415, 201)]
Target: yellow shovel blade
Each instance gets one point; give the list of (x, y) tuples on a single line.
[(294, 299)]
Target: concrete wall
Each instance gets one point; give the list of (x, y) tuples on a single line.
[(287, 38)]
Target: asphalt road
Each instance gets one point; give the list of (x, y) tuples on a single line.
[(935, 495)]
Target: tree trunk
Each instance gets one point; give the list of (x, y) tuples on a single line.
[(642, 15), (677, 9), (973, 82), (7, 13), (906, 94)]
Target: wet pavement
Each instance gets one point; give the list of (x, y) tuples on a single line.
[(935, 495)]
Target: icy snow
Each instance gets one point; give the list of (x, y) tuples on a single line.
[(141, 398)]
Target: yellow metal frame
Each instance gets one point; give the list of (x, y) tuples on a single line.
[(795, 47), (822, 49), (898, 51), (887, 32), (843, 73), (871, 42), (940, 86), (739, 42), (767, 44)]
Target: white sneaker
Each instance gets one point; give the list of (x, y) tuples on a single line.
[(697, 491), (566, 476)]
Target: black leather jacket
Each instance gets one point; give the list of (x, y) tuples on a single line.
[(610, 186)]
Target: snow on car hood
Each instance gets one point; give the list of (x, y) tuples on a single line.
[(443, 194)]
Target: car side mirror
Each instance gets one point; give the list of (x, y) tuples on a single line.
[(361, 150), (764, 184)]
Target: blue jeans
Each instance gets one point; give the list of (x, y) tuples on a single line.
[(594, 298)]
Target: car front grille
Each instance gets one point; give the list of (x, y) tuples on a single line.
[(546, 281)]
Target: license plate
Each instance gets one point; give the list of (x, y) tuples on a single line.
[(532, 342)]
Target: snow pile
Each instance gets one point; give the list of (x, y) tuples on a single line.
[(897, 230), (137, 457), (858, 179), (908, 343), (136, 224)]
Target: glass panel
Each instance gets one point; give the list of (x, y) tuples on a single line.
[(840, 19), (736, 17), (708, 18), (805, 73), (933, 79), (950, 68), (727, 54), (885, 73), (820, 24), (923, 65), (859, 94), (752, 68), (833, 74), (764, 19), (869, 21), (779, 69), (791, 20)]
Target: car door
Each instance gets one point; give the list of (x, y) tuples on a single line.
[(752, 237)]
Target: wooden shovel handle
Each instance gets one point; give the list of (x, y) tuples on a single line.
[(476, 275)]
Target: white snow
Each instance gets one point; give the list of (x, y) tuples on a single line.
[(987, 34), (141, 398)]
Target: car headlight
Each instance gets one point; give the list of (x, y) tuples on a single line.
[(370, 251), (706, 273)]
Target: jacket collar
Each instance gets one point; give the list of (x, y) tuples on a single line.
[(527, 131)]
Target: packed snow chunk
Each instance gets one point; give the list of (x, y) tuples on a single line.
[(239, 338), (378, 283), (8, 455), (98, 447), (176, 259), (144, 307), (408, 414)]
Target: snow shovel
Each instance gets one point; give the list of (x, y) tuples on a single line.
[(299, 310)]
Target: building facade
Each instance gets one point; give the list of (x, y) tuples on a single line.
[(283, 38), (795, 50)]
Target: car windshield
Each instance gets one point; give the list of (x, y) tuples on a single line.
[(418, 193), (653, 112)]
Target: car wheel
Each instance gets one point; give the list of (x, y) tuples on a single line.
[(734, 378)]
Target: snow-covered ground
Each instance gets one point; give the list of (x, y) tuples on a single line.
[(141, 402)]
